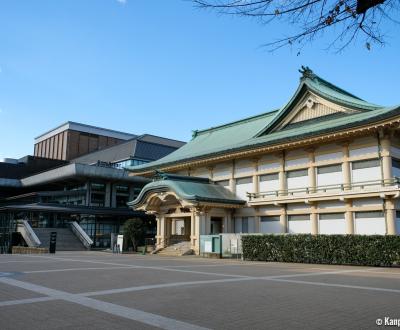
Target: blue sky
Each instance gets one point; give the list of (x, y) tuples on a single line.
[(158, 66)]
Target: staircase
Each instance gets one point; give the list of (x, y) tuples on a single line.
[(66, 240), (175, 250)]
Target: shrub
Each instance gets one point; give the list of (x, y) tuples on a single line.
[(362, 250), (134, 231)]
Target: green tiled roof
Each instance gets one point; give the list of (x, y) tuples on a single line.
[(189, 189), (258, 130)]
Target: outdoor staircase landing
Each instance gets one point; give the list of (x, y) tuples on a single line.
[(178, 249)]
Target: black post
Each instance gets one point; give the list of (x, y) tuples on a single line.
[(53, 241)]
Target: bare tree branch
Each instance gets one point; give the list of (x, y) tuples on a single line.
[(312, 17)]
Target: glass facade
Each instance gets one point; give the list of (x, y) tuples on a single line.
[(130, 162), (98, 194)]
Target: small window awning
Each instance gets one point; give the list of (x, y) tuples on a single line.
[(192, 190)]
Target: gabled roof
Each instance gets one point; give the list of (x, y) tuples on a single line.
[(260, 130), (190, 189), (313, 83)]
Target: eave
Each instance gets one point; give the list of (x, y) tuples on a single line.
[(332, 134)]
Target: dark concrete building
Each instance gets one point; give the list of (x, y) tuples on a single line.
[(80, 191)]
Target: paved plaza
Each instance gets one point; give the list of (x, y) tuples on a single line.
[(95, 290)]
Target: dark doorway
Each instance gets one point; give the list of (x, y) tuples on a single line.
[(216, 225)]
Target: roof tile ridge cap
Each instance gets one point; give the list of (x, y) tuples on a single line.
[(354, 103), (321, 81), (233, 123)]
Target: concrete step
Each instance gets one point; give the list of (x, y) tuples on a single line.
[(66, 240), (178, 249)]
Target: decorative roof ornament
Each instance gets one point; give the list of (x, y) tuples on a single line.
[(306, 73), (159, 176), (194, 133)]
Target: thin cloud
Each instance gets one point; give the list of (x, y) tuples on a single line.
[(122, 2)]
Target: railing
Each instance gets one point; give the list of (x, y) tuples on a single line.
[(81, 234), (327, 188), (28, 234)]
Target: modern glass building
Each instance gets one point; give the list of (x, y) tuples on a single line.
[(90, 191)]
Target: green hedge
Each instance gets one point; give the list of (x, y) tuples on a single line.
[(324, 249)]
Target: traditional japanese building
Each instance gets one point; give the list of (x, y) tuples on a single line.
[(325, 163)]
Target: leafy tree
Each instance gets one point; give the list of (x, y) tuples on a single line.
[(134, 231), (350, 18)]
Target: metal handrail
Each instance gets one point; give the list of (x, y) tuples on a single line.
[(325, 188), (31, 238), (81, 234)]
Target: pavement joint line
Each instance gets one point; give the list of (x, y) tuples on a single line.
[(164, 285), (24, 261), (74, 269), (25, 301), (334, 285), (317, 273), (109, 308)]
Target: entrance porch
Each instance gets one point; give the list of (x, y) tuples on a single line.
[(187, 207)]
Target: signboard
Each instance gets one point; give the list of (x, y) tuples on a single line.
[(120, 243), (208, 246), (53, 241)]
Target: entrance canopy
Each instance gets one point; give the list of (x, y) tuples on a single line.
[(188, 191)]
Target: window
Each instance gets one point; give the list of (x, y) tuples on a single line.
[(122, 195), (297, 174), (245, 225), (98, 187), (329, 175), (366, 170), (303, 217), (269, 177), (299, 224), (297, 180), (98, 194), (269, 182), (243, 186), (270, 225), (366, 164), (396, 163), (242, 181), (329, 169), (332, 223), (129, 162), (368, 215), (370, 223)]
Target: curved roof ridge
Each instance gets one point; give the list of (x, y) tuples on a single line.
[(335, 87)]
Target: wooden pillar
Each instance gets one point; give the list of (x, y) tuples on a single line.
[(386, 158), (282, 174), (256, 183), (161, 239), (346, 166), (390, 208), (232, 181), (348, 215), (283, 220), (312, 178), (314, 219)]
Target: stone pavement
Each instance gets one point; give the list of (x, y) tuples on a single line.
[(94, 290)]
